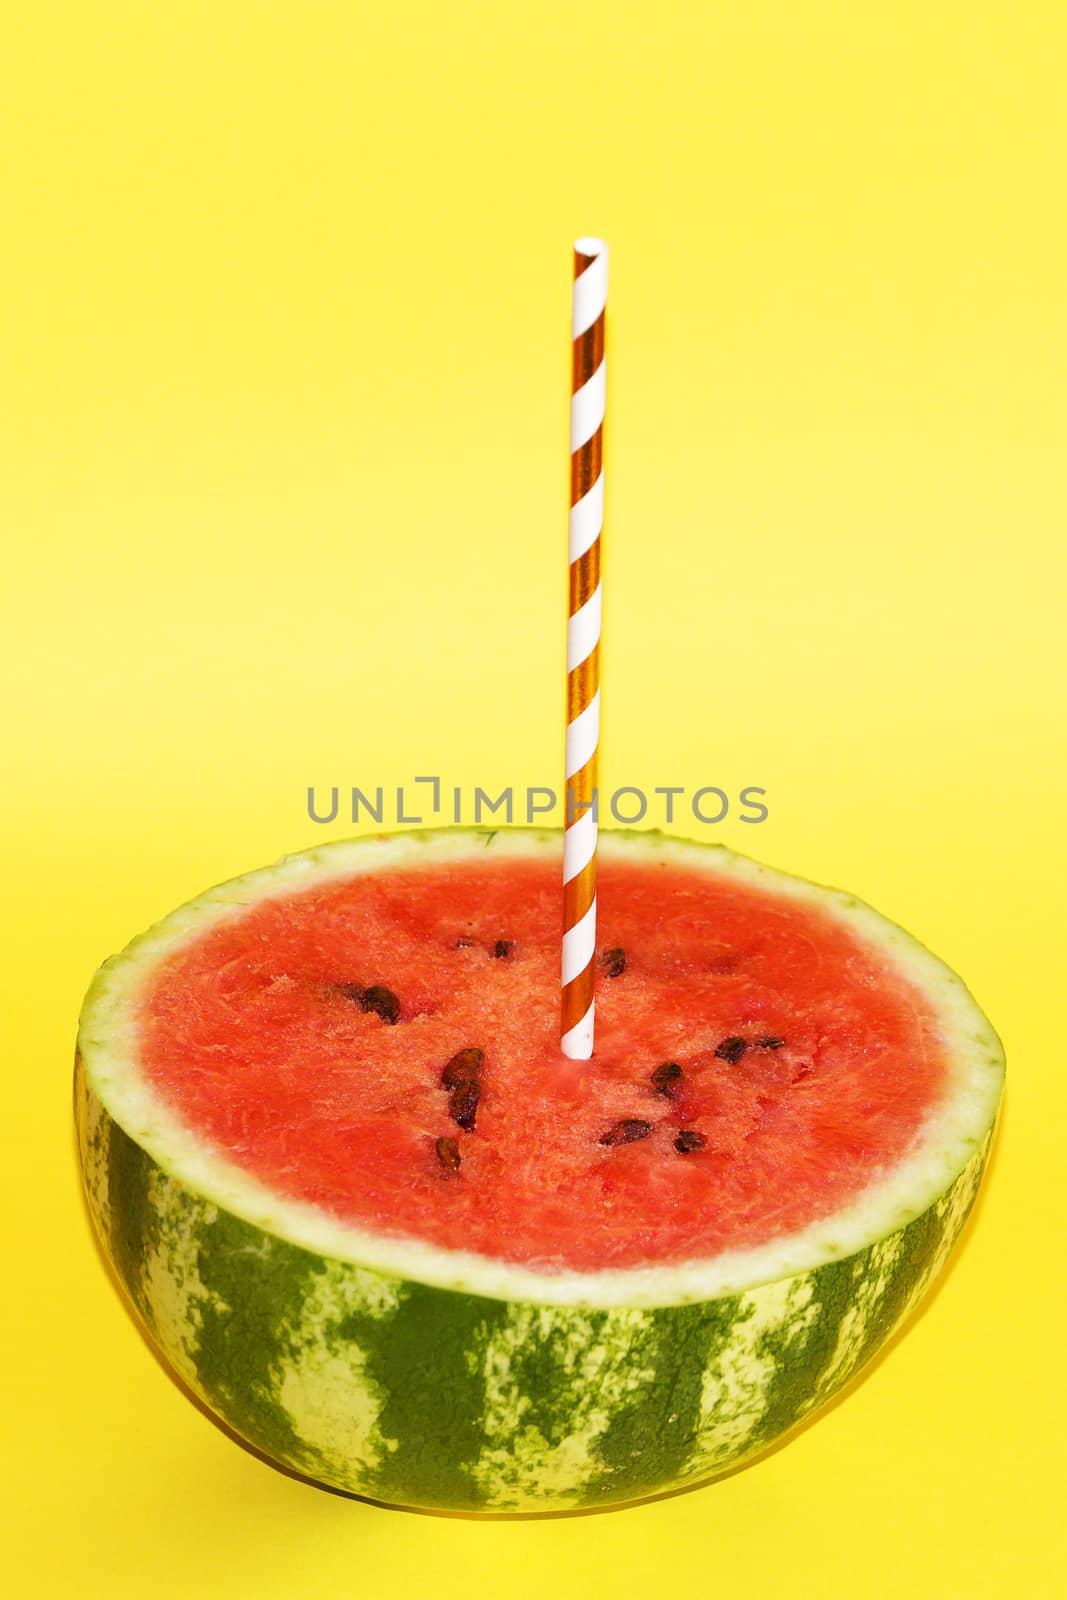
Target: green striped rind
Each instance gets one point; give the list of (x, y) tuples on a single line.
[(432, 1397)]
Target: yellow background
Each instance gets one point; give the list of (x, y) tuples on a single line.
[(285, 314)]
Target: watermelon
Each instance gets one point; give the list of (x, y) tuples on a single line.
[(386, 1232)]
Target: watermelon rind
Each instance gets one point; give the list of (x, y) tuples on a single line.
[(440, 1379)]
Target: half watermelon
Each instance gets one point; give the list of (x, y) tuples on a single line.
[(385, 1230)]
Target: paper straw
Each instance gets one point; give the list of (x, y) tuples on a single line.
[(583, 647)]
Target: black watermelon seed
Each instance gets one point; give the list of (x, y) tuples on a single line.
[(613, 962), (689, 1139), (447, 1153), (772, 1043), (382, 1000), (502, 948), (627, 1132), (462, 1068), (463, 1104), (666, 1078), (731, 1049)]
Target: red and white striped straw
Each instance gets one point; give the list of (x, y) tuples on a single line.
[(583, 647)]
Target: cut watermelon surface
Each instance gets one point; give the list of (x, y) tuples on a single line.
[(352, 1185), (806, 1062)]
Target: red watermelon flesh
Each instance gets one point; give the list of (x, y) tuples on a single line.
[(807, 1063)]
